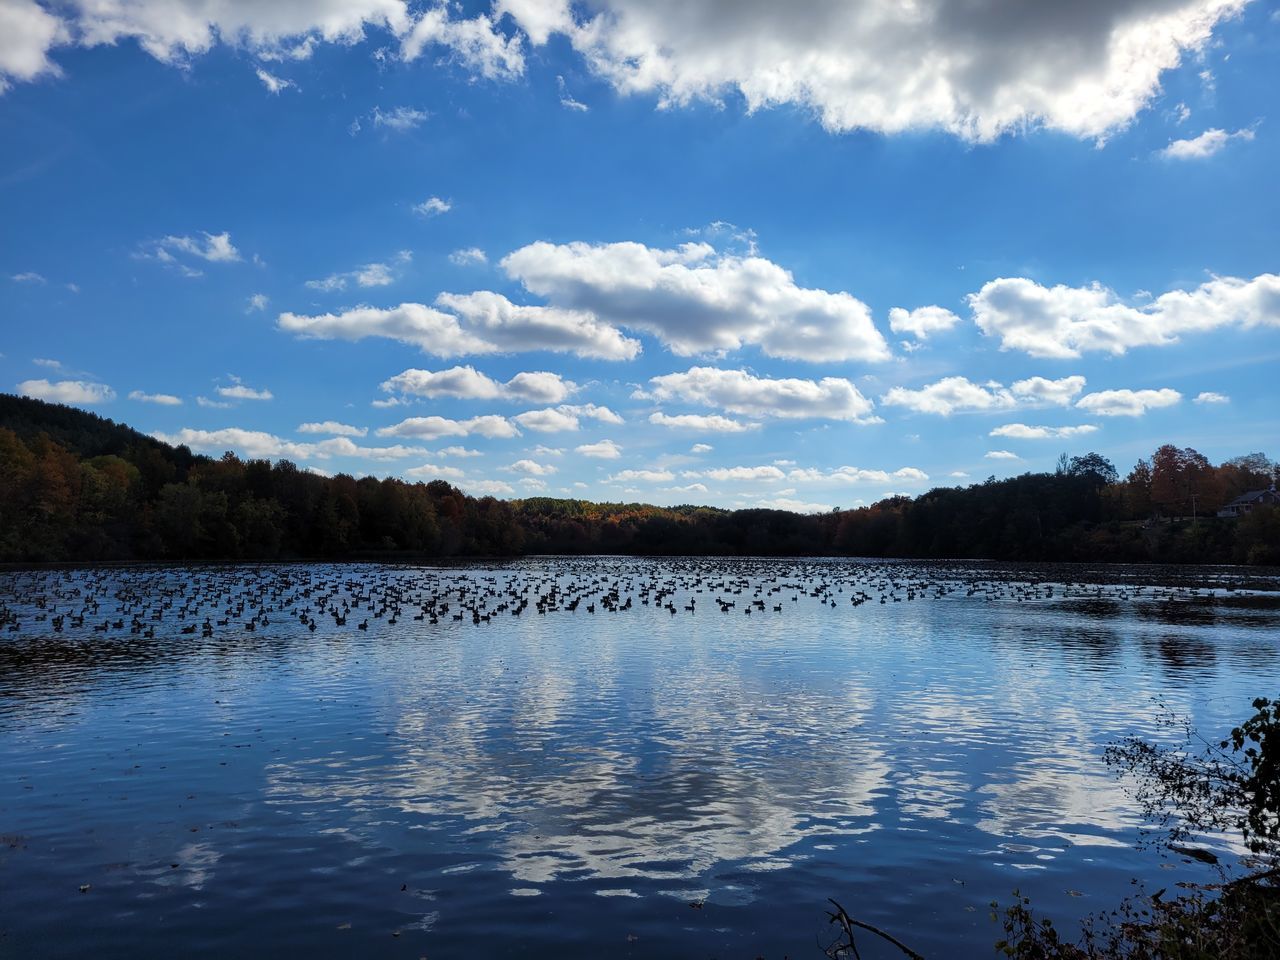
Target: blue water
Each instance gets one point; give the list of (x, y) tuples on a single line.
[(639, 782)]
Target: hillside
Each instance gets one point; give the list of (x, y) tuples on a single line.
[(78, 487)]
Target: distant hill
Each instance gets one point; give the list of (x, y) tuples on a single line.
[(83, 433), (77, 486)]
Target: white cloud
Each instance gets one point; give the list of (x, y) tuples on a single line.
[(461, 452), (737, 391), (531, 468), (767, 473), (707, 423), (258, 444), (431, 428), (1001, 455), (67, 391), (689, 488), (564, 417), (508, 326), (482, 323), (399, 119), (433, 207), (1065, 322), (368, 275), (215, 248), (1209, 396), (333, 428), (856, 475), (951, 395), (641, 476), (27, 33), (468, 383), (489, 488), (273, 83), (922, 322), (1127, 403), (975, 69), (468, 256), (163, 399), (258, 301), (29, 276), (1206, 145), (429, 471), (697, 301), (1021, 431), (701, 448), (475, 43), (1042, 390), (603, 450), (238, 391), (213, 404), (960, 395), (792, 505)]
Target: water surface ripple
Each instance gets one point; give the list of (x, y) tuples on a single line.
[(571, 757)]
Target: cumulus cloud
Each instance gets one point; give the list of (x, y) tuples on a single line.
[(701, 448), (259, 444), (641, 476), (399, 119), (960, 395), (468, 256), (430, 428), (239, 391), (1206, 145), (459, 452), (1064, 322), (333, 428), (922, 322), (273, 83), (163, 399), (975, 69), (791, 505), (602, 450), (856, 475), (1001, 455), (215, 248), (696, 300), (531, 468), (1127, 403), (369, 275), (481, 323), (489, 488), (737, 391), (67, 391), (706, 423), (432, 207), (475, 43), (27, 33), (467, 383), (766, 473), (564, 417), (1021, 431), (429, 471), (1209, 396)]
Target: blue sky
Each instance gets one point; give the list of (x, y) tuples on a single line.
[(740, 258)]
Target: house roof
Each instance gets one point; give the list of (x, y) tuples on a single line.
[(1253, 496)]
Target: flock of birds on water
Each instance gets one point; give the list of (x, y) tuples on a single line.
[(210, 600)]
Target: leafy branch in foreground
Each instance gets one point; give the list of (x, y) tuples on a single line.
[(1194, 789)]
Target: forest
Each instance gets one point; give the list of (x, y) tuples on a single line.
[(78, 487)]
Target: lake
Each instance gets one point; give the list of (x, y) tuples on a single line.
[(577, 757)]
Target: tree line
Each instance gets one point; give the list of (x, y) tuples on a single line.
[(78, 487)]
